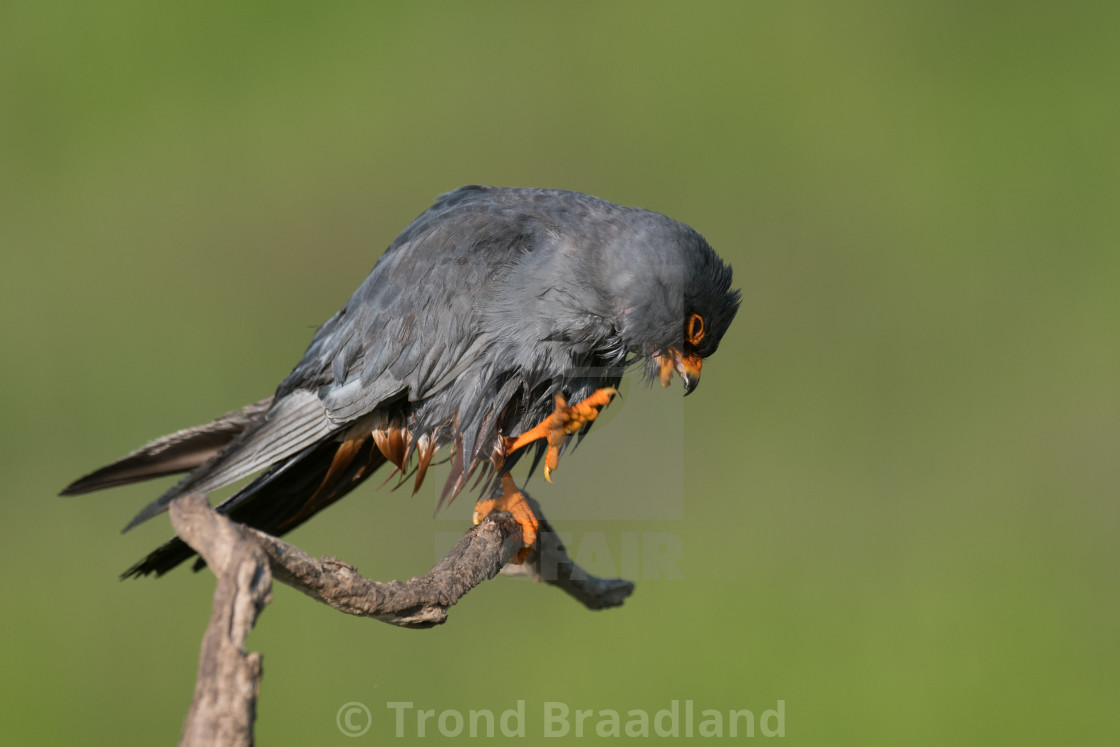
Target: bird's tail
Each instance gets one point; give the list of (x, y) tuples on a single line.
[(284, 497), (291, 491), (179, 452)]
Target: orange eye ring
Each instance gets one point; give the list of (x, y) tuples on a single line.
[(694, 332)]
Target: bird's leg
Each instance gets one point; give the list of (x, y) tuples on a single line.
[(565, 420), (513, 501)]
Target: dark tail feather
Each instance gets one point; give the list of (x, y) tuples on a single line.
[(179, 452), (283, 497)]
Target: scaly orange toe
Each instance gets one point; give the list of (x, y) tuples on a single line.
[(513, 501), (564, 421)]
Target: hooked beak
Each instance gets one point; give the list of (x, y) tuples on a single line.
[(688, 366)]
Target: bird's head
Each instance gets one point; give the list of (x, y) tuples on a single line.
[(676, 299)]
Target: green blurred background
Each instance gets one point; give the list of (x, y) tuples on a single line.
[(896, 487)]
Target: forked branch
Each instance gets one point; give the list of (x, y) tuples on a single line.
[(246, 560)]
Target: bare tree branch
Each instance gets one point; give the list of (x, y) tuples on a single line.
[(245, 560), (549, 562), (418, 603), (225, 694)]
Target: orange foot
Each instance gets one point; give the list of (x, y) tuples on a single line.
[(564, 421), (513, 501)]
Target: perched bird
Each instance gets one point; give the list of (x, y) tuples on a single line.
[(499, 319)]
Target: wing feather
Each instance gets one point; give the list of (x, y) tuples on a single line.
[(178, 452), (295, 422)]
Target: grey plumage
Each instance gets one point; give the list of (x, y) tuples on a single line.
[(487, 305)]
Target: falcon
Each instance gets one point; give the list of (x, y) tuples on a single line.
[(499, 323)]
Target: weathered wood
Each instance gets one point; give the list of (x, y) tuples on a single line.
[(549, 562), (246, 560), (225, 693), (417, 603)]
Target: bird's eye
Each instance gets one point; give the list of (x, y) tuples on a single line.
[(694, 332)]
